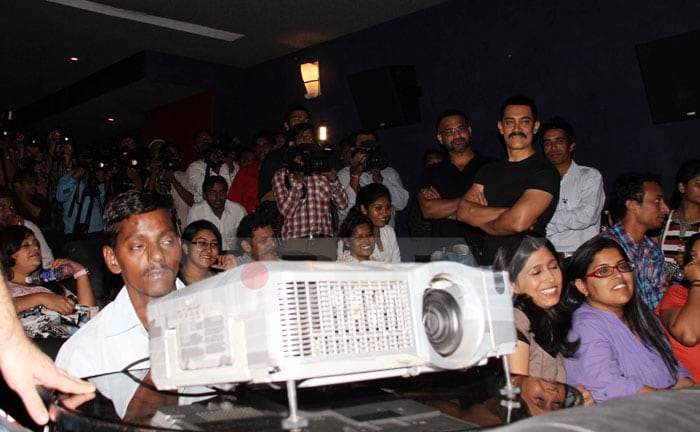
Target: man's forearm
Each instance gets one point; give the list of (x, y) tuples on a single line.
[(477, 215), (440, 208)]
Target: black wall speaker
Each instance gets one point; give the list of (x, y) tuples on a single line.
[(386, 96), (671, 74)]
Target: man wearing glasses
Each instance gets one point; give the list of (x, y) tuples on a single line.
[(518, 194), (443, 185)]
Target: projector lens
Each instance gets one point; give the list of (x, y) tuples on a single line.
[(442, 321)]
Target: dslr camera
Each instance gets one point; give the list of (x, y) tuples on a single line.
[(374, 157)]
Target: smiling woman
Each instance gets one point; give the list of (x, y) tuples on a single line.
[(623, 349), (41, 307), (541, 324)]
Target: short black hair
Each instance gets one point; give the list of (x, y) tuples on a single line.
[(519, 100), (630, 186), (249, 224), (134, 202), (364, 131), (354, 219), (449, 113), (5, 192), (295, 108), (210, 181), (558, 123)]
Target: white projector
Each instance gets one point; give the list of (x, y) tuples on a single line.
[(320, 323)]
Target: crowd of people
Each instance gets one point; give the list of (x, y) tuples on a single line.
[(611, 308)]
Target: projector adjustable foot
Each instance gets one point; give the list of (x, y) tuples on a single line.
[(293, 422)]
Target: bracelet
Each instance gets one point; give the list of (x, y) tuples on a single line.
[(694, 282), (83, 272)]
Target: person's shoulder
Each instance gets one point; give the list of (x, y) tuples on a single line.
[(588, 171), (675, 297), (235, 206)]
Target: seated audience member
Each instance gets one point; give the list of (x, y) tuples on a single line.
[(30, 204), (679, 311), (21, 256), (8, 217), (683, 220), (256, 238), (201, 241), (217, 209), (581, 194), (369, 165), (541, 323), (623, 349), (25, 368), (640, 207), (167, 178), (374, 201), (144, 247), (356, 232)]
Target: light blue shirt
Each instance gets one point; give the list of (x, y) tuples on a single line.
[(66, 195)]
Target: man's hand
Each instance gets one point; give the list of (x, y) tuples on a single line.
[(24, 367), (476, 195), (330, 176), (430, 193), (58, 303), (376, 176)]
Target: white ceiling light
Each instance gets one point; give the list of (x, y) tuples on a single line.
[(150, 19)]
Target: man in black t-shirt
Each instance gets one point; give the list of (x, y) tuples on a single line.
[(443, 185), (516, 195)]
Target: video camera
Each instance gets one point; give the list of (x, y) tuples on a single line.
[(374, 157), (308, 158)]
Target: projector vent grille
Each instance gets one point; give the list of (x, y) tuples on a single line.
[(329, 318)]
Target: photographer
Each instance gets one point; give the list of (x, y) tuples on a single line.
[(369, 165), (82, 192), (210, 162), (129, 173), (167, 178), (306, 190)]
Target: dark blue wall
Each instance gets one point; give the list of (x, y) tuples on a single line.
[(576, 59)]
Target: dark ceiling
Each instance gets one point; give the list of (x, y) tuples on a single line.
[(40, 36)]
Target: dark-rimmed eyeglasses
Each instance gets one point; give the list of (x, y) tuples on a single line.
[(455, 130), (608, 270), (203, 244)]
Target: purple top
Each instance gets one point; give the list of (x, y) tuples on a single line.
[(611, 362)]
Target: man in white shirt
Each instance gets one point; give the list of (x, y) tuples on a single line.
[(581, 194), (210, 163), (369, 165), (144, 247), (215, 208)]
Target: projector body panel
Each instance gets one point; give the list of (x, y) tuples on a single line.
[(328, 323)]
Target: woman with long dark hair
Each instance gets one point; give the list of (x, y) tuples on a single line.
[(20, 254), (623, 349), (684, 219), (542, 326)]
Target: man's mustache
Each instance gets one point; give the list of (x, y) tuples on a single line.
[(517, 134)]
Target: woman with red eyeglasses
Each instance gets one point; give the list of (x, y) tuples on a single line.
[(623, 349)]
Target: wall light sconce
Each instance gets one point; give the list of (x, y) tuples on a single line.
[(312, 80)]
